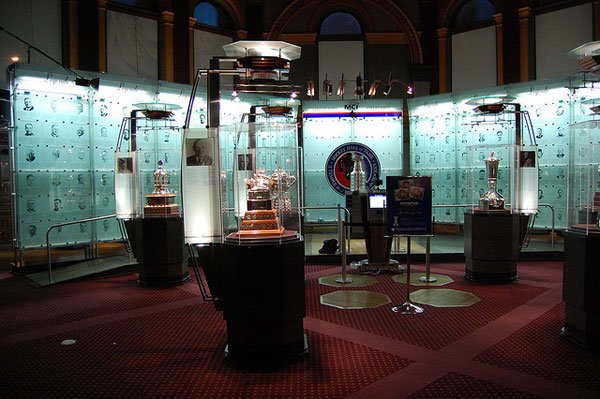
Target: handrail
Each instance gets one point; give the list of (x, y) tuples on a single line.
[(66, 224), (553, 228), (338, 207)]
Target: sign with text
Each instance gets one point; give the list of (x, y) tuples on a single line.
[(408, 205)]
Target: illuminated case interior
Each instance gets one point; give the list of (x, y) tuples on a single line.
[(261, 182), (584, 177)]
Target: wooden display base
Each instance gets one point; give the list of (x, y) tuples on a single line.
[(493, 245), (161, 205), (263, 298), (160, 251)]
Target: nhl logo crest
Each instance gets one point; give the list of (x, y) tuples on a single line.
[(339, 166)]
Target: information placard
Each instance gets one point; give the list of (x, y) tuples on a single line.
[(408, 205)]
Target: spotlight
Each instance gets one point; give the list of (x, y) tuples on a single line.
[(15, 58), (327, 88), (93, 83), (341, 87), (409, 90), (387, 88), (310, 88), (293, 95), (359, 90), (373, 89)]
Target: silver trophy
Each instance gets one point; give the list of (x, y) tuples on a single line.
[(492, 199), (284, 182), (358, 180)]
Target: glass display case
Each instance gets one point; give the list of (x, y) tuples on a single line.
[(148, 163), (584, 177), (503, 177), (260, 182), (442, 127)]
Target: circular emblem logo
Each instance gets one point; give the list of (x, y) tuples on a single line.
[(340, 165)]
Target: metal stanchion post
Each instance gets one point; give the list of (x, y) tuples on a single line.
[(427, 277), (342, 236), (407, 307)]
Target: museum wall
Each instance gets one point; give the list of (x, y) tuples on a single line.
[(474, 66), (557, 33)]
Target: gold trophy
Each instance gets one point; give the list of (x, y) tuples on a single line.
[(161, 202)]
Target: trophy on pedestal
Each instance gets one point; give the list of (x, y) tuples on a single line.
[(260, 218), (492, 199), (161, 201)]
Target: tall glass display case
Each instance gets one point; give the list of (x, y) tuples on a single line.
[(261, 257), (148, 163), (260, 178), (582, 237), (503, 190), (148, 192)]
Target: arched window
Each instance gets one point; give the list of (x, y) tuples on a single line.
[(474, 13), (340, 23), (207, 14)]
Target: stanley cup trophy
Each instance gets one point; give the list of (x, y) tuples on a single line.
[(260, 218), (358, 179), (161, 201), (492, 199)]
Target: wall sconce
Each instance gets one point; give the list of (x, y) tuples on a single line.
[(341, 87), (327, 88), (310, 88)]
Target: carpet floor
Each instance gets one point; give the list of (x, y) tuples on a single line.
[(110, 338)]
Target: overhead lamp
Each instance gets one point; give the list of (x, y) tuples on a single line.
[(327, 88), (310, 88), (373, 88), (588, 55), (263, 60), (341, 87), (15, 58), (359, 90)]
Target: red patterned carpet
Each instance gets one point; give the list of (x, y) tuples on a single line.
[(132, 341)]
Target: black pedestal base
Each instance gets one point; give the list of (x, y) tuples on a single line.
[(493, 245), (580, 289), (160, 251), (263, 300)]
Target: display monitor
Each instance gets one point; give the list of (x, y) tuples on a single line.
[(377, 201)]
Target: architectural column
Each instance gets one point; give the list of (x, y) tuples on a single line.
[(442, 34), (524, 14), (102, 35), (191, 52), (73, 17), (168, 57), (499, 50)]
